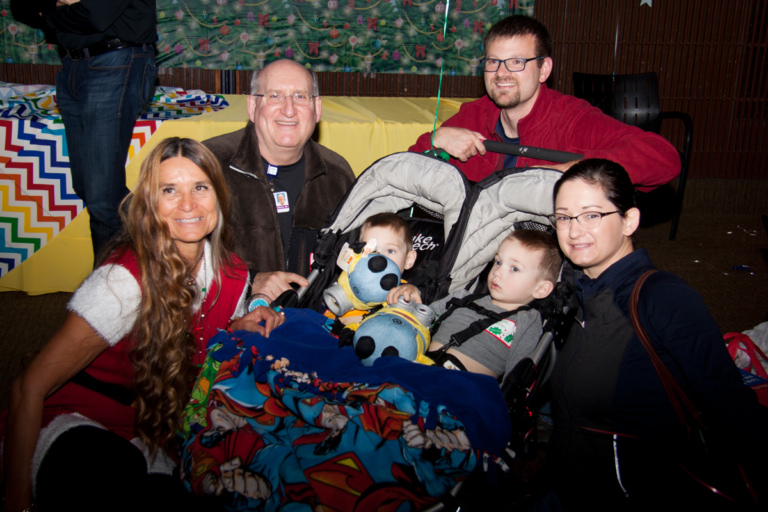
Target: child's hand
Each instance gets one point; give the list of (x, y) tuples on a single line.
[(407, 291)]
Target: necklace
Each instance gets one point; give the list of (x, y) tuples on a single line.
[(191, 280), (199, 330)]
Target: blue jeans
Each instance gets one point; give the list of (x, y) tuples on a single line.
[(99, 99)]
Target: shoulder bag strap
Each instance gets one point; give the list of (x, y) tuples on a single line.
[(679, 399), (677, 396)]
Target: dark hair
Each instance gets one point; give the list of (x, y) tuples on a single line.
[(518, 25), (611, 177), (534, 240), (392, 221)]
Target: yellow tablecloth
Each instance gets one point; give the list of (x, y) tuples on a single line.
[(362, 130)]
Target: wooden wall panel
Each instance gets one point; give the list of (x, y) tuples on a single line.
[(388, 84), (28, 73), (208, 80), (331, 84), (710, 58)]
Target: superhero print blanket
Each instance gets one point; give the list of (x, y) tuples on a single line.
[(294, 422)]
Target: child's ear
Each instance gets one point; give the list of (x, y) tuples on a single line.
[(543, 289), (410, 259)]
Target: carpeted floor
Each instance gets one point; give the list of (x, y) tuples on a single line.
[(26, 323), (725, 258)]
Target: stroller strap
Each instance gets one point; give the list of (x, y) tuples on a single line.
[(476, 327)]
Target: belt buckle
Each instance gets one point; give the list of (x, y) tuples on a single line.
[(77, 54), (108, 46)]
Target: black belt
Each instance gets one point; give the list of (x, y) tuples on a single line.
[(99, 48)]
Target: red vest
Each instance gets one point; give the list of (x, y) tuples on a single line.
[(114, 365)]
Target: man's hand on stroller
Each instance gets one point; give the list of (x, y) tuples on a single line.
[(460, 143), (407, 291), (272, 284)]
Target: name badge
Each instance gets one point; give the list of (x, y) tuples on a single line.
[(281, 202)]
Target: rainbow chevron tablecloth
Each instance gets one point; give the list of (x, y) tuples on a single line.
[(36, 195)]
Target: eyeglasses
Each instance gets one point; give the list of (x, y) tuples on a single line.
[(588, 220), (514, 64), (278, 98)]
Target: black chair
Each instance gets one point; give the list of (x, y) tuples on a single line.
[(634, 100)]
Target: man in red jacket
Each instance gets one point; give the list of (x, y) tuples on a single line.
[(519, 108)]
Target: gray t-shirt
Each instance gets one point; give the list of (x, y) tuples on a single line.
[(499, 347)]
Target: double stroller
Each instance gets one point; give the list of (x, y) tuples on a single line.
[(320, 428)]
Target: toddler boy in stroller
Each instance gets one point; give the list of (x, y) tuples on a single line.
[(490, 332), (484, 333), (393, 237)]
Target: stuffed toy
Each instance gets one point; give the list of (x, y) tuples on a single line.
[(400, 329), (365, 280)]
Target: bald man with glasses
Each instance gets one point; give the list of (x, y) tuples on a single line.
[(282, 184), (519, 108)]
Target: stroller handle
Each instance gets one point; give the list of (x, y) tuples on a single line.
[(311, 279), (531, 152)]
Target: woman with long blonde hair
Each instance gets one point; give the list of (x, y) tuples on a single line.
[(118, 373)]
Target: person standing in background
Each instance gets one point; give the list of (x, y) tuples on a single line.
[(108, 75)]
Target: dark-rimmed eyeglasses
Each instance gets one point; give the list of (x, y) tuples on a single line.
[(278, 98), (588, 220), (515, 64)]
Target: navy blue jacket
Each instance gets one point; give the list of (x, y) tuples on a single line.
[(604, 384)]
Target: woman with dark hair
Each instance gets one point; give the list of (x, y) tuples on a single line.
[(617, 440), (103, 399)]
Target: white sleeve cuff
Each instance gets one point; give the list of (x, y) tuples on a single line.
[(108, 300), (241, 305)]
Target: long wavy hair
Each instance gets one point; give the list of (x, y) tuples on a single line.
[(163, 350)]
